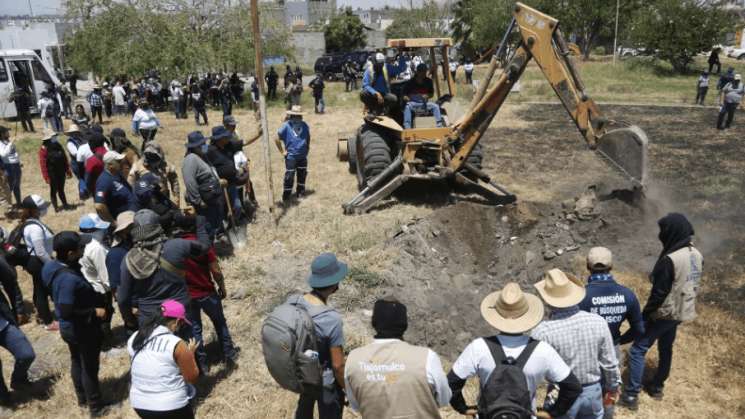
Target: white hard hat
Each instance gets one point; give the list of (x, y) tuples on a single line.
[(379, 57)]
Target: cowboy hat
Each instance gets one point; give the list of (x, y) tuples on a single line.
[(510, 310), (73, 129), (48, 135), (295, 110), (558, 290)]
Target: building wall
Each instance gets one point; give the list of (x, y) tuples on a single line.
[(308, 46), (375, 39), (23, 34)]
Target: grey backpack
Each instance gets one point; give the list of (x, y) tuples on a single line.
[(285, 335)]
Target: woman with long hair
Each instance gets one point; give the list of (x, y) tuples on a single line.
[(163, 365)]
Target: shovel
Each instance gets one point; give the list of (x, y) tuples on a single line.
[(236, 234)]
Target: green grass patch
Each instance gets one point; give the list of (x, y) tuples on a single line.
[(365, 278)]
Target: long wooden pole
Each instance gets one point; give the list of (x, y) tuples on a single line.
[(262, 104)]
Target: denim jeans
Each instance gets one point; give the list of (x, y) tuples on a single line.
[(320, 104), (12, 339), (78, 169), (295, 165), (212, 307), (235, 201), (429, 106), (589, 404), (214, 212), (662, 331), (13, 174)]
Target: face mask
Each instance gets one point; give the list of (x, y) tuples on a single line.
[(42, 212), (204, 148), (99, 235)]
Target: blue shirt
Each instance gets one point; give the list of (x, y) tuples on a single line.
[(70, 288), (615, 303), (380, 84), (115, 193), (295, 135), (114, 262)]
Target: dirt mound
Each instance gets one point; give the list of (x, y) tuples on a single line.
[(451, 259)]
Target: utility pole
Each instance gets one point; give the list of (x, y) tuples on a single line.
[(262, 104), (30, 9), (615, 37)]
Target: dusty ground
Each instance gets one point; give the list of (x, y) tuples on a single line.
[(532, 150)]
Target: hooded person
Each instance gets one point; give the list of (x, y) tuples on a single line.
[(675, 282), (417, 387), (376, 89), (153, 270), (153, 161)]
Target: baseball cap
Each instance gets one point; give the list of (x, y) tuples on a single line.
[(124, 220), (34, 202), (175, 310), (112, 156), (379, 57), (600, 258), (93, 222), (68, 241)]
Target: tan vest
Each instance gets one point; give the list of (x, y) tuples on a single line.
[(680, 304), (389, 381)]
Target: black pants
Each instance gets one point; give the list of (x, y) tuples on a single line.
[(96, 110), (107, 109), (147, 136), (329, 405), (701, 95), (717, 65), (183, 413), (25, 117), (41, 294), (294, 166), (271, 91), (57, 188), (85, 360), (371, 101), (469, 77), (728, 111), (200, 111)]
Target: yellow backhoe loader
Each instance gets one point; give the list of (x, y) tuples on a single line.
[(384, 155)]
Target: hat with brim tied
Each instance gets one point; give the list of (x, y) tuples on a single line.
[(296, 110), (511, 310), (558, 290), (326, 271)]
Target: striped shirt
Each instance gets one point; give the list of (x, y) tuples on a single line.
[(584, 341)]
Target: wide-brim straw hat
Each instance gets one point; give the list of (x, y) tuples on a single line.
[(558, 290), (73, 129), (510, 310), (296, 110)]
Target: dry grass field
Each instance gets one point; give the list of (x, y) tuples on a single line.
[(531, 150)]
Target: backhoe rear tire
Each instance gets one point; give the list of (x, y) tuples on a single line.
[(376, 156)]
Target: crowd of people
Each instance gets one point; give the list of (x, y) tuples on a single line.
[(569, 336)]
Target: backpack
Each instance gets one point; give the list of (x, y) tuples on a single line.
[(49, 111), (505, 395), (16, 251), (286, 334), (56, 156)]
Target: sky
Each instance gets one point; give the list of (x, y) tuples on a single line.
[(45, 7)]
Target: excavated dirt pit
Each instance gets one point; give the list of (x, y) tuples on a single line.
[(451, 259)]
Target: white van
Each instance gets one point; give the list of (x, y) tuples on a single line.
[(22, 67)]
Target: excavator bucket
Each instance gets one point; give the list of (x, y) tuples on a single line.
[(626, 150)]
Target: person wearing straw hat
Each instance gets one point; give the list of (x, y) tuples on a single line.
[(513, 313), (582, 339), (293, 141), (408, 380), (162, 365), (326, 274), (119, 248)]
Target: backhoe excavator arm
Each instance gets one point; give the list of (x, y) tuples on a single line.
[(542, 40)]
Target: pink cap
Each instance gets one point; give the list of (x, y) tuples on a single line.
[(174, 310)]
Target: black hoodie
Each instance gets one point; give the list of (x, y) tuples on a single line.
[(675, 233)]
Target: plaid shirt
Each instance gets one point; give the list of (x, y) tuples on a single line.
[(95, 100), (584, 341)]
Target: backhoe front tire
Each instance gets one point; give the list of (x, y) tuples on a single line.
[(376, 157)]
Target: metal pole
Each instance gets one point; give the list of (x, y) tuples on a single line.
[(262, 104), (615, 37), (30, 9)]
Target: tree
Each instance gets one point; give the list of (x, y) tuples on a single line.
[(589, 20), (478, 24), (426, 22), (677, 30), (344, 32)]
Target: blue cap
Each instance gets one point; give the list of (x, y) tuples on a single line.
[(326, 271), (92, 222), (220, 133)]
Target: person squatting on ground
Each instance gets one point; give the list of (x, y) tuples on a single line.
[(513, 313), (702, 87), (376, 90), (409, 380), (11, 163), (583, 341), (80, 312), (613, 302), (55, 169), (326, 274), (203, 185), (416, 94), (675, 282), (729, 100), (293, 141), (163, 367), (113, 193)]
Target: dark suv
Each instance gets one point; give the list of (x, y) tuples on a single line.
[(331, 65)]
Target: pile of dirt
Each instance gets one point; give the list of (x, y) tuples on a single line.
[(448, 261)]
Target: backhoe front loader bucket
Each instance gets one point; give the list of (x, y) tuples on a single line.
[(626, 150)]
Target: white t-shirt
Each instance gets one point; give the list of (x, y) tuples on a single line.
[(84, 152), (544, 363), (157, 383), (240, 160), (468, 67), (93, 266), (453, 66), (120, 96), (146, 119), (38, 240), (8, 153)]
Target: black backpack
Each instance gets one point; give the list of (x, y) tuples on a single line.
[(56, 156), (16, 252), (505, 395)]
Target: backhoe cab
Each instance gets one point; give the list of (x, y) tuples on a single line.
[(384, 155)]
